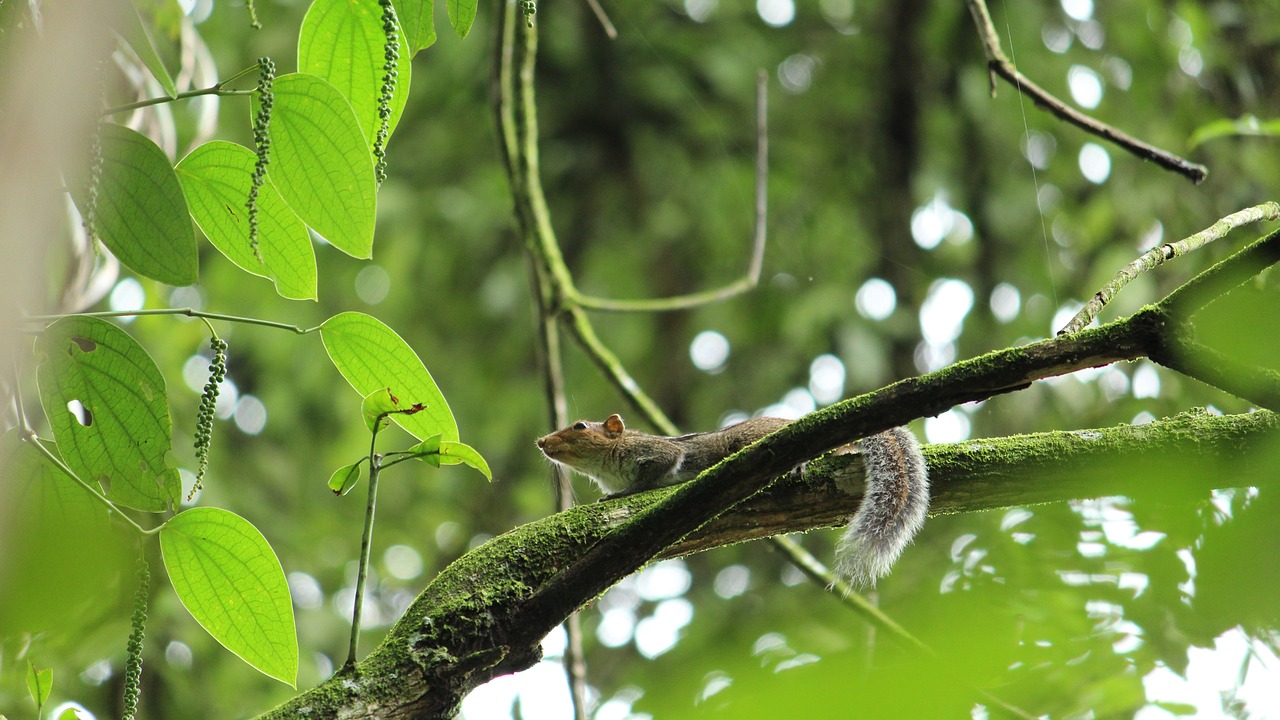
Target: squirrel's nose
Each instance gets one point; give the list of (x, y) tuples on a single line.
[(542, 443)]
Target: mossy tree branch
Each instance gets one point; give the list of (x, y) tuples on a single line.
[(479, 619)]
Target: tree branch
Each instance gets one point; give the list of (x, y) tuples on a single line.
[(473, 621), (1000, 65)]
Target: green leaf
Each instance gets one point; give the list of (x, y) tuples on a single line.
[(439, 452), (374, 406), (122, 438), (1246, 125), (47, 520), (342, 41), (419, 27), (39, 683), (461, 14), (142, 214), (216, 178), (461, 452), (134, 32), (321, 162), (371, 356), (345, 478), (68, 714), (428, 450), (226, 575)]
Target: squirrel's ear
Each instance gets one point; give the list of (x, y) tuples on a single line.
[(614, 424)]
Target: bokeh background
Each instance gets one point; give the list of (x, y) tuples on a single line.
[(914, 220)]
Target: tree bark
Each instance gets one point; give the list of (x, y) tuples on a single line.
[(485, 615)]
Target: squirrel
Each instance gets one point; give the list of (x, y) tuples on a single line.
[(623, 462)]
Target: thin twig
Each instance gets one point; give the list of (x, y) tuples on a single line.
[(747, 282), (366, 544), (188, 312), (216, 89), (1000, 65), (1161, 254), (58, 463), (603, 18)]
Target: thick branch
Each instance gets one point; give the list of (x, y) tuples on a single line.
[(470, 625)]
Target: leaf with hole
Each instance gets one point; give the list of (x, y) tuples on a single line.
[(228, 578), (108, 406)]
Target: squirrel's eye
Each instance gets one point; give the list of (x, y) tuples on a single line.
[(580, 425)]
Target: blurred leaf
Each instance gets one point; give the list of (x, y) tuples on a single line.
[(1176, 708), (345, 478), (121, 438), (69, 714), (419, 26), (342, 41), (374, 407), (142, 214), (39, 683), (47, 521), (216, 178), (1245, 125), (321, 162), (226, 575), (371, 356), (135, 33), (461, 14)]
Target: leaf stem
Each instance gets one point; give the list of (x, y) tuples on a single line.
[(57, 462), (217, 89), (188, 312), (366, 544)]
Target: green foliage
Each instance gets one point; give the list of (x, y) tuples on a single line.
[(140, 213), (345, 478), (216, 177), (419, 26), (226, 575), (461, 14), (344, 42), (121, 437), (319, 153), (39, 684), (1246, 126), (373, 358), (647, 157), (47, 524), (376, 408), (439, 452)]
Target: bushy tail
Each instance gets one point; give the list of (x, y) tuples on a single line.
[(892, 511)]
